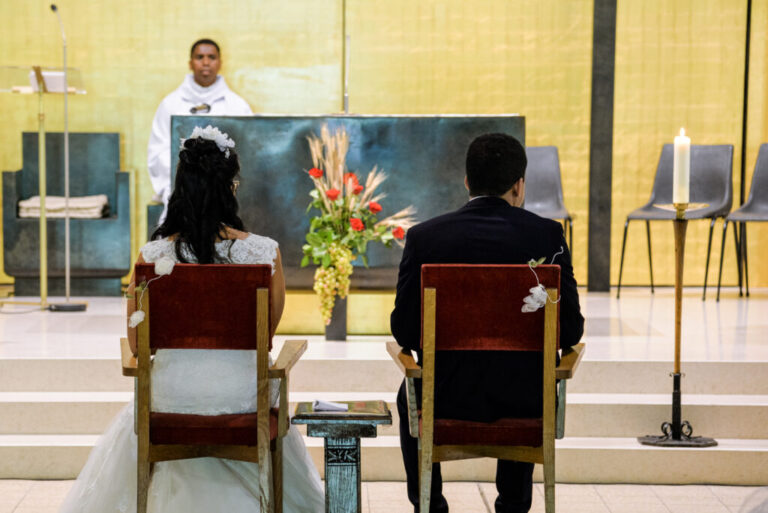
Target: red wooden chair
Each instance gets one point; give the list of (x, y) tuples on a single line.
[(211, 307), (478, 308)]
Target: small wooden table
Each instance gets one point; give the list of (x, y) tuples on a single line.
[(342, 432)]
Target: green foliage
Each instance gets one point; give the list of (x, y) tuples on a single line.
[(326, 228)]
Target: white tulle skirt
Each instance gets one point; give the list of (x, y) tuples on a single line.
[(107, 483)]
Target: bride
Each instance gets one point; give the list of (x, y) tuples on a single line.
[(202, 226)]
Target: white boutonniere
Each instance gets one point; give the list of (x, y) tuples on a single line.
[(163, 267), (538, 295)]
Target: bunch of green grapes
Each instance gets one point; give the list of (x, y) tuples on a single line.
[(333, 280)]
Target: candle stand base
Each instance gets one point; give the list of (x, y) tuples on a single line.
[(677, 433)]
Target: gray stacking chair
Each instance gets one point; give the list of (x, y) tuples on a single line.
[(755, 209), (544, 188), (711, 183)]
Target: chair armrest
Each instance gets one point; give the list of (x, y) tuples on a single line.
[(289, 355), (404, 362), (569, 361), (130, 365)]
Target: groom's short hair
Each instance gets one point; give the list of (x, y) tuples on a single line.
[(495, 162)]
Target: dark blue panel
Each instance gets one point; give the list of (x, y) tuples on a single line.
[(423, 156)]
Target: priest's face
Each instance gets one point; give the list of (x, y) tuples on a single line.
[(205, 64)]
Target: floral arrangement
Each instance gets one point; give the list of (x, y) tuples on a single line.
[(346, 217), (163, 266)]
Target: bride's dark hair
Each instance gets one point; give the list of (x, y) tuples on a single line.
[(203, 203)]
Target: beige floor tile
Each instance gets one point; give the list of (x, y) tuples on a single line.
[(700, 493), (756, 502), (609, 492), (638, 508), (379, 491), (364, 498), (579, 507), (576, 490), (697, 508), (393, 506), (46, 494), (12, 492), (7, 506), (736, 495)]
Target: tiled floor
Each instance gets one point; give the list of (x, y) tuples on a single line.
[(379, 497)]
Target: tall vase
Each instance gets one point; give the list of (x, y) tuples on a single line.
[(337, 329)]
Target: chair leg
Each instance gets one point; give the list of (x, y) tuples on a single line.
[(277, 475), (621, 262), (650, 260), (722, 254), (549, 482), (706, 266), (266, 482), (744, 257), (737, 245), (142, 485), (425, 477)]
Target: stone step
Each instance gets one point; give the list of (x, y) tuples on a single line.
[(579, 460), (587, 415), (365, 367)]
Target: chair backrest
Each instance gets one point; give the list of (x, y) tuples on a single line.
[(212, 306), (543, 184), (758, 191), (711, 179), (478, 307)]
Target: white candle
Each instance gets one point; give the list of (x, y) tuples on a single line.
[(682, 169)]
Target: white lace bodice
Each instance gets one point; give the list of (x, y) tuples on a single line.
[(204, 381), (254, 249)]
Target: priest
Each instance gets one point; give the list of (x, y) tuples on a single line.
[(203, 91)]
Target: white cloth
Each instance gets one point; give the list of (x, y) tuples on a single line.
[(189, 94), (82, 207), (202, 382)]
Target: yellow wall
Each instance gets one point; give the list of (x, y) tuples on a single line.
[(678, 64), (681, 64), (282, 57)]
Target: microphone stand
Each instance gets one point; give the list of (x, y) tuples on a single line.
[(67, 306)]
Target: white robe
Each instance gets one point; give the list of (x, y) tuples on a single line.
[(189, 94)]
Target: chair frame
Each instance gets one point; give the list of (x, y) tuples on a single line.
[(267, 453), (553, 414)]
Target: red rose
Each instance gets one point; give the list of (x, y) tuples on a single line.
[(356, 224), (332, 194), (398, 233), (351, 176), (374, 207), (358, 189), (315, 173)]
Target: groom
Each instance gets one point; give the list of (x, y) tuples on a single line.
[(490, 229)]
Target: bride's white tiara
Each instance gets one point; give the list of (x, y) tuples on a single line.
[(212, 133)]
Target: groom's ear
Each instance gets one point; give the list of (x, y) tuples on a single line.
[(466, 183)]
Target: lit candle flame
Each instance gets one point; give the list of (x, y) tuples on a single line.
[(682, 132)]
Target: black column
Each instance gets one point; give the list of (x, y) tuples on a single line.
[(601, 145)]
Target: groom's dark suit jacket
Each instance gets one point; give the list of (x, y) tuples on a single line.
[(487, 230)]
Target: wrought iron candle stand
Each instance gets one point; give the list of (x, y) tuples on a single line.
[(678, 433)]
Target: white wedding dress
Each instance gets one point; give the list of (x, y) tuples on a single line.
[(201, 382)]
